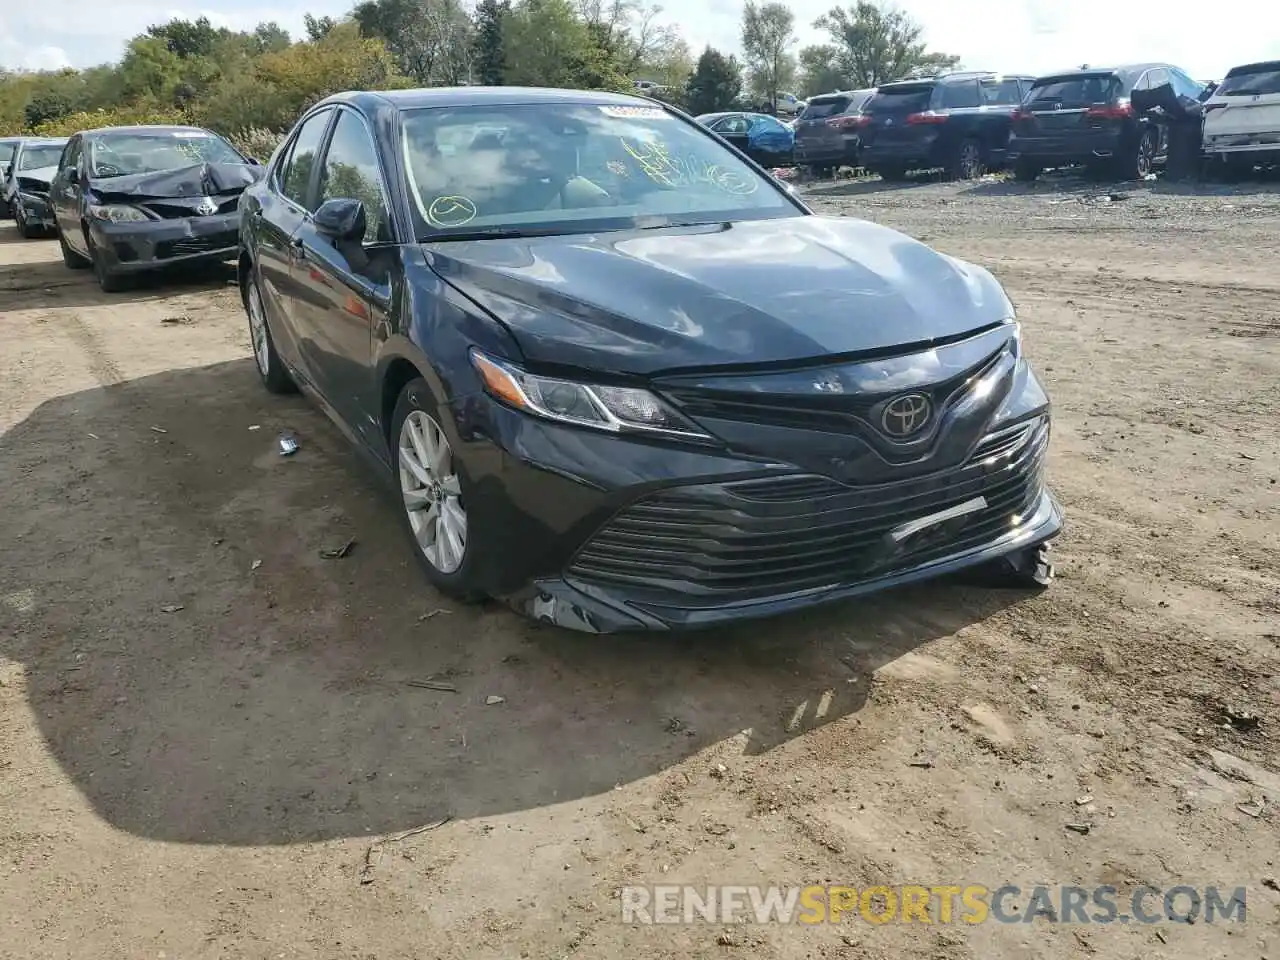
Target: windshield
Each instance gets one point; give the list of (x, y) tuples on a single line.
[(6, 151), (35, 156), (124, 154), (1078, 91), (1263, 79), (573, 167)]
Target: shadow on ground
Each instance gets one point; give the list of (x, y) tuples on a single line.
[(23, 286), (203, 675)]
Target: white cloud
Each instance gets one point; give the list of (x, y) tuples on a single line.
[(45, 58)]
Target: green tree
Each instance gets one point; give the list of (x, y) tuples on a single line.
[(317, 27), (715, 84), (188, 38), (430, 39), (768, 33), (877, 43), (820, 70), (149, 69), (550, 45), (271, 37), (491, 51)]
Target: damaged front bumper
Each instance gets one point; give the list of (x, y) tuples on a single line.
[(132, 246), (36, 210)]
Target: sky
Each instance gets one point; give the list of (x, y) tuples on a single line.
[(1032, 36)]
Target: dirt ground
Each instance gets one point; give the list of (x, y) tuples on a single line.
[(210, 748)]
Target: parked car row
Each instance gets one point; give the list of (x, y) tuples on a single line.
[(619, 377), (1115, 120)]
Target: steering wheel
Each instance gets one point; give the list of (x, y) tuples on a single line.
[(108, 170)]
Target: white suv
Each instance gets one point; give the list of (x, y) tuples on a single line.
[(1242, 118)]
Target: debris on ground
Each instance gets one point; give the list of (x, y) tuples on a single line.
[(175, 319), (337, 553), (1240, 719), (494, 699), (1271, 883), (1080, 828), (1254, 808), (431, 613), (374, 851), (171, 608), (155, 429), (440, 685), (255, 565), (255, 426), (288, 444), (922, 764), (719, 771)]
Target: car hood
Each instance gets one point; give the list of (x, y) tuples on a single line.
[(44, 175), (748, 293), (193, 181)]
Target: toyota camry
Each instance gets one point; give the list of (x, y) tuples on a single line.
[(622, 378)]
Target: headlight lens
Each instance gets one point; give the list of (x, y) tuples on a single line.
[(116, 213), (616, 409)]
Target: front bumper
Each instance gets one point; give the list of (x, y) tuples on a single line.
[(37, 211), (129, 247), (604, 534)]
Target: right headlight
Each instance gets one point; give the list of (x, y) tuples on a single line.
[(615, 409), (116, 213)]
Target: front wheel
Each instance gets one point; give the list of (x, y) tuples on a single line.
[(109, 282), (69, 257), (434, 493)]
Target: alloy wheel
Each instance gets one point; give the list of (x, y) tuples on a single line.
[(1146, 155), (970, 161), (258, 331), (432, 492)]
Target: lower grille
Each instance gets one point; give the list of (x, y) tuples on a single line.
[(760, 538), (192, 245)]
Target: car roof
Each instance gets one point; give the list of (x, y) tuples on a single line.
[(1254, 67), (1119, 69), (147, 128), (480, 96), (41, 141), (958, 77)]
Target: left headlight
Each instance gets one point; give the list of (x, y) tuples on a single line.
[(616, 409), (116, 213)]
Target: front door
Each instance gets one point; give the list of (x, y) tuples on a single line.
[(343, 284)]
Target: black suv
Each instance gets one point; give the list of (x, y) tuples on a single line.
[(959, 122), (827, 130), (1086, 116)]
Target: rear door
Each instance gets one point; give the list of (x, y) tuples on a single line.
[(63, 195), (733, 128), (1245, 109), (889, 110), (287, 204)]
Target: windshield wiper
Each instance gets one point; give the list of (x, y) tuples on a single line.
[(494, 233)]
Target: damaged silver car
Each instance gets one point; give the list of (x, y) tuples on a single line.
[(132, 199)]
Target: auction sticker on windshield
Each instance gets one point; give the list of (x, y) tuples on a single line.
[(635, 113), (190, 135)]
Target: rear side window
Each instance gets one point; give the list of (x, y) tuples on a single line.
[(820, 107), (960, 95), (998, 93), (295, 176), (1264, 78), (911, 98), (1077, 91)]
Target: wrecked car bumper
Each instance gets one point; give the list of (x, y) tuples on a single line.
[(37, 211), (601, 533), (128, 247)]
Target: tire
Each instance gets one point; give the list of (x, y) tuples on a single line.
[(108, 281), (69, 257), (967, 161), (1136, 163), (1025, 171), (426, 510), (271, 370)]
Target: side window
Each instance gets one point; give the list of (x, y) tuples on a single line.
[(351, 170), (957, 95), (295, 174), (1000, 93), (71, 154), (1143, 82), (1184, 86), (735, 125), (1157, 78)]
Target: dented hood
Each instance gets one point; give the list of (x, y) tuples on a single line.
[(197, 180), (43, 175)]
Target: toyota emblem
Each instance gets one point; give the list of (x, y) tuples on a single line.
[(906, 415), (206, 207)]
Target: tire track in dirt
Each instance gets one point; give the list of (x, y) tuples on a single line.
[(101, 366)]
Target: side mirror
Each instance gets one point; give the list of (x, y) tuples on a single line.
[(73, 175), (254, 161), (341, 218)]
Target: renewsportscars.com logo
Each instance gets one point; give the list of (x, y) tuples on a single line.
[(940, 904)]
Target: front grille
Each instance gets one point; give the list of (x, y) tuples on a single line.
[(188, 246), (760, 538)]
